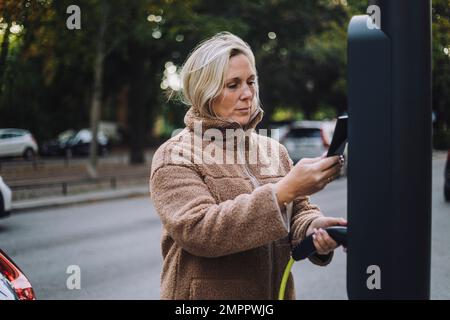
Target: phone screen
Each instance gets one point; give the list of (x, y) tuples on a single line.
[(339, 140)]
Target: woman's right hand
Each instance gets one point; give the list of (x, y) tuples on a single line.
[(307, 177)]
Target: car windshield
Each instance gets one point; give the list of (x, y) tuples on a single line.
[(65, 136), (304, 133)]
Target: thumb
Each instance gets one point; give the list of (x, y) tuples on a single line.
[(311, 160), (337, 222)]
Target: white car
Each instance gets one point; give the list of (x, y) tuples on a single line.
[(307, 139), (5, 199), (310, 139), (17, 142)]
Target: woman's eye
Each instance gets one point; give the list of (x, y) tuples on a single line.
[(251, 83), (232, 86)]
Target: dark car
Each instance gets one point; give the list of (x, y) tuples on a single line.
[(447, 178), (71, 143), (14, 285), (57, 146)]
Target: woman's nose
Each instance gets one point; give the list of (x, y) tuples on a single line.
[(247, 93)]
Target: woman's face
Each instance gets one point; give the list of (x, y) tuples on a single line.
[(235, 100)]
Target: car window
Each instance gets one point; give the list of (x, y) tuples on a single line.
[(65, 136), (18, 133), (304, 133), (9, 135)]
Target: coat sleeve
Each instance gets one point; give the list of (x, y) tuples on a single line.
[(303, 213), (201, 226)]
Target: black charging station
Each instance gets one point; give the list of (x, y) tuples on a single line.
[(389, 152)]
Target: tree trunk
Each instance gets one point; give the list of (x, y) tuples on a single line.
[(137, 99), (4, 50), (96, 100)]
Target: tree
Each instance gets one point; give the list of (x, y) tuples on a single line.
[(441, 64), (51, 76)]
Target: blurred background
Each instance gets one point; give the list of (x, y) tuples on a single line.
[(48, 72), (73, 70)]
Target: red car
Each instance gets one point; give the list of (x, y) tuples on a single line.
[(14, 285)]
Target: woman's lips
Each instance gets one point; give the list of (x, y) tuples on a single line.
[(246, 109)]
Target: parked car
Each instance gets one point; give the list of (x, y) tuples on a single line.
[(113, 131), (281, 127), (17, 142), (14, 285), (307, 139), (57, 146), (5, 199), (72, 143), (447, 178)]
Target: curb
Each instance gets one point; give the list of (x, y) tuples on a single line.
[(60, 201)]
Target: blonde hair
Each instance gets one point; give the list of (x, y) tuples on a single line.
[(203, 73)]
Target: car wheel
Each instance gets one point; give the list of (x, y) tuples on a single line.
[(28, 154)]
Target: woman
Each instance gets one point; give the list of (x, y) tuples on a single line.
[(229, 222)]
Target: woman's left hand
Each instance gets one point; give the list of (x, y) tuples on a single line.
[(322, 240)]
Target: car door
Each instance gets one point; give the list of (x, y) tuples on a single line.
[(19, 144), (7, 141), (14, 144)]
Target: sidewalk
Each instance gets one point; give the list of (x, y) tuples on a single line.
[(53, 183), (55, 201)]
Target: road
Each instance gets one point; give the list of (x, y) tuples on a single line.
[(116, 246), (314, 282)]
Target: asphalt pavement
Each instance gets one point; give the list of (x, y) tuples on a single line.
[(114, 243)]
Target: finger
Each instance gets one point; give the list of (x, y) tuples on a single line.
[(331, 173), (318, 245), (336, 222), (319, 249), (311, 160), (326, 178), (337, 175), (323, 243), (327, 241), (326, 163), (332, 178)]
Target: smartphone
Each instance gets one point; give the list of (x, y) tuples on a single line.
[(339, 140)]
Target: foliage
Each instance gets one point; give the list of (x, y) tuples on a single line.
[(46, 74)]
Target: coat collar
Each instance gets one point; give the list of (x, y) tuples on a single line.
[(192, 116)]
